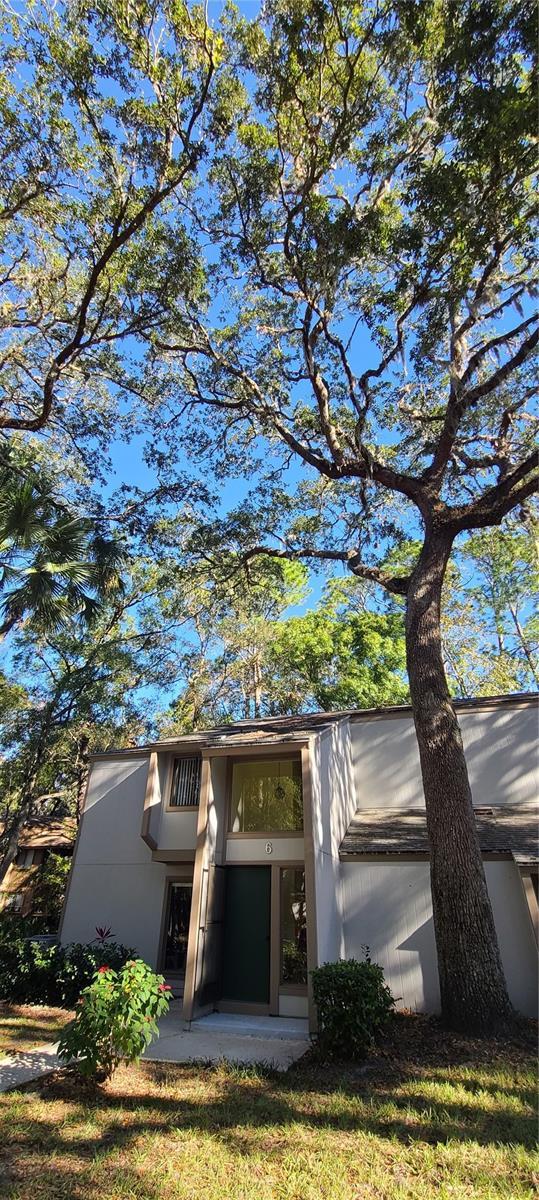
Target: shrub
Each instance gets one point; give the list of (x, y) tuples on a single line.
[(13, 925), (115, 1019), (354, 1006), (34, 974), (49, 889)]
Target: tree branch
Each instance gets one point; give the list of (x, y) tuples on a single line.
[(397, 584), (491, 508)]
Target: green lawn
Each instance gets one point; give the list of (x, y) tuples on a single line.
[(23, 1026), (431, 1116)]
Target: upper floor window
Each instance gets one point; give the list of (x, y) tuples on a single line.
[(185, 788), (266, 796)]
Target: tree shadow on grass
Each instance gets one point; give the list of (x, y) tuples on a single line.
[(423, 1086), (399, 1109), (25, 1035), (103, 1131)]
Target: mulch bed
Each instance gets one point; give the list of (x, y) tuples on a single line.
[(416, 1043)]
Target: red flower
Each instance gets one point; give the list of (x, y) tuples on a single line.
[(102, 970), (163, 987)]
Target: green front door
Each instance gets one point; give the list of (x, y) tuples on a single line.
[(246, 961)]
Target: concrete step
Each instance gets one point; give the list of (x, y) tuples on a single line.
[(177, 984), (240, 1025)]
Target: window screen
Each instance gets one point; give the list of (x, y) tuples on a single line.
[(185, 783)]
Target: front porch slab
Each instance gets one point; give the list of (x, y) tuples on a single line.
[(275, 1041), (292, 1028)]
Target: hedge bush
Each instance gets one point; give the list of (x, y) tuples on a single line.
[(34, 974), (354, 1006)]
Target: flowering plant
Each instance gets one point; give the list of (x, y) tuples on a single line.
[(116, 1019)]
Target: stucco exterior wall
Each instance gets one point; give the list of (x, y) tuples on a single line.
[(388, 907), (500, 745), (293, 1006), (207, 932), (333, 804), (517, 943), (178, 830), (171, 829), (114, 881)]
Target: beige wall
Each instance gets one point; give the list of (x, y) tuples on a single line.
[(517, 943), (110, 831), (170, 829), (388, 907), (500, 746), (178, 830), (333, 804), (114, 881), (293, 1006)]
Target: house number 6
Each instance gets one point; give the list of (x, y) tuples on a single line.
[(269, 848)]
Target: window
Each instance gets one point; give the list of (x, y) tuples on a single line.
[(177, 927), (266, 796), (293, 926), (14, 902), (24, 858), (185, 783)]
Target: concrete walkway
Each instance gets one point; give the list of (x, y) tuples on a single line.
[(22, 1067), (275, 1041)]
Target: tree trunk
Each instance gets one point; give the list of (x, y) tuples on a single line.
[(12, 839), (524, 644), (81, 764), (473, 991)]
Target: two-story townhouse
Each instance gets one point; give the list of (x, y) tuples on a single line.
[(237, 859)]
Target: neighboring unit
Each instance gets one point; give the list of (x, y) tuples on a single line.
[(238, 859), (38, 839)]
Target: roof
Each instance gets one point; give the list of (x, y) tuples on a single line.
[(264, 729), (506, 830), (295, 728), (42, 834)]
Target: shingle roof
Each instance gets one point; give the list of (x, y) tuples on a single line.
[(265, 729), (54, 833), (295, 728), (506, 830), (309, 722)]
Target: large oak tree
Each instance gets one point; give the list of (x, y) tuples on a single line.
[(357, 176), (369, 315)]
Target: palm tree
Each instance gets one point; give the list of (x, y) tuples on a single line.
[(53, 565)]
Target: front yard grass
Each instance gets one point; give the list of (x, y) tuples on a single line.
[(431, 1115), (24, 1026)]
